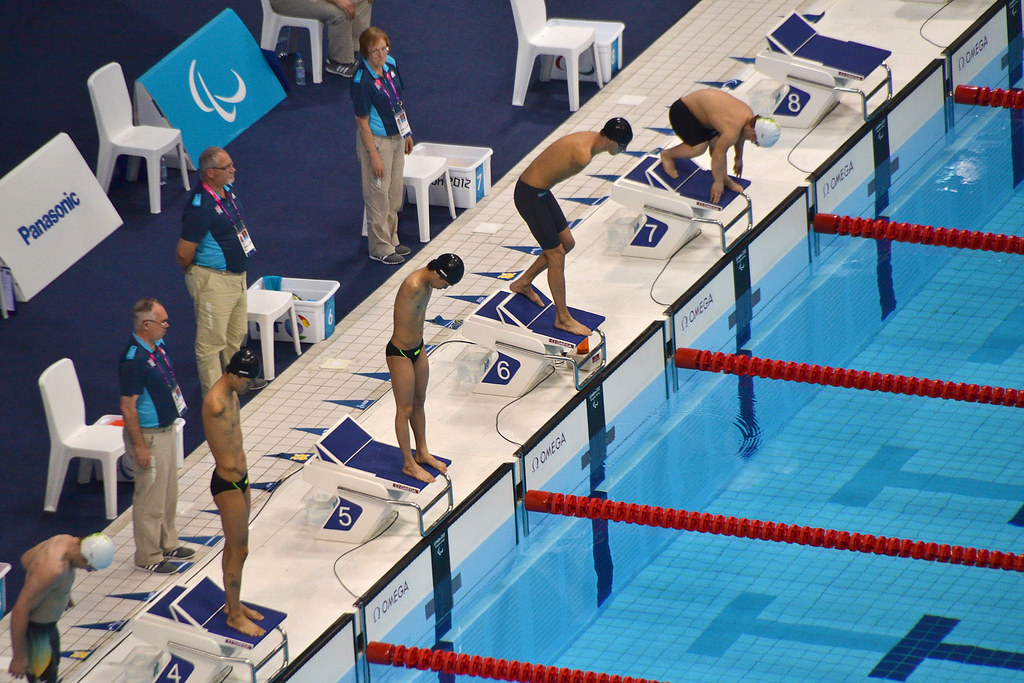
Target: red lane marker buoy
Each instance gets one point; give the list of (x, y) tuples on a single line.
[(989, 97), (708, 361), (779, 532), (878, 228)]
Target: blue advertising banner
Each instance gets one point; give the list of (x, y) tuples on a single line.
[(214, 85)]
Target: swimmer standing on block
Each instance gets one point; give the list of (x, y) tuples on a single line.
[(408, 364), (534, 201), (713, 119), (229, 484)]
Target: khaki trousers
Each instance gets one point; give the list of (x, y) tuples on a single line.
[(155, 503), (342, 32), (221, 307), (383, 203)]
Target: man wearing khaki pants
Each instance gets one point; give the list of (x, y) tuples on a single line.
[(214, 251)]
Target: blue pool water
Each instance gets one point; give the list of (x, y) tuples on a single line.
[(680, 606)]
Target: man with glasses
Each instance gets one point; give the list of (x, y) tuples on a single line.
[(214, 251), (150, 402), (535, 202)]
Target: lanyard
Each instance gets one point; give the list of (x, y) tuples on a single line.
[(171, 381), (224, 207), (398, 98)]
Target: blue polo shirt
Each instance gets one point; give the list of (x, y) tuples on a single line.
[(378, 96), (147, 373), (212, 225)]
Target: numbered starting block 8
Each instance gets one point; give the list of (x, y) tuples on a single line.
[(526, 343), (189, 627), (816, 69), (366, 478), (674, 208)]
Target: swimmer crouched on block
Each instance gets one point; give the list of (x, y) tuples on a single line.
[(408, 364), (714, 120), (535, 202)]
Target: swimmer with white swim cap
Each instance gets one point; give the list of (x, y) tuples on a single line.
[(714, 120), (49, 575)]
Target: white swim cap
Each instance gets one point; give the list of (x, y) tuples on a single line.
[(98, 550), (766, 131)]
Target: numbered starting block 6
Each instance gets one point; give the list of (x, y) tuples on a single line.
[(190, 625), (816, 69), (367, 479), (527, 343), (675, 207)]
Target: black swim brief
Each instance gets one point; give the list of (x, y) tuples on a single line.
[(687, 127), (411, 354), (542, 214), (219, 484)]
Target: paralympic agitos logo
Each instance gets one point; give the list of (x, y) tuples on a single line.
[(209, 102)]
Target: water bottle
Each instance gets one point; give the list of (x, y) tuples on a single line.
[(163, 171), (284, 37), (300, 70)]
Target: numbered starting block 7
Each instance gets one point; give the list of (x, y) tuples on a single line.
[(815, 69), (674, 208), (526, 343), (367, 479), (190, 625)]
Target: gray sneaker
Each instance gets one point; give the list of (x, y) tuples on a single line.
[(390, 259), (403, 250), (164, 567), (343, 70)]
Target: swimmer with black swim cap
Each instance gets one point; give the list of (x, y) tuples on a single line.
[(408, 364), (536, 204)]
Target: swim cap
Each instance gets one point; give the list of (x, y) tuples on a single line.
[(98, 550), (766, 131), (618, 130), (245, 364), (448, 266)]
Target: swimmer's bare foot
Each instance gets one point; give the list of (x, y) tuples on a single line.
[(669, 165), (526, 290), (428, 459), (572, 326), (416, 472), (243, 624), (251, 613)]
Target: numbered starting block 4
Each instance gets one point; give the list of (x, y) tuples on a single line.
[(189, 626), (816, 69), (366, 478), (674, 208), (526, 343)]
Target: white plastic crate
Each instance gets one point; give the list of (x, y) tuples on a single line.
[(314, 309), (608, 36), (470, 171)]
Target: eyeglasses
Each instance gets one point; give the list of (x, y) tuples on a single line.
[(380, 51), (165, 322), (224, 168), (622, 147)]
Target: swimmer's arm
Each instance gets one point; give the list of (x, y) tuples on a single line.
[(737, 164), (37, 582)]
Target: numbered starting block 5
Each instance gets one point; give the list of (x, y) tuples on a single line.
[(527, 343), (816, 69), (674, 208), (190, 625), (367, 479)]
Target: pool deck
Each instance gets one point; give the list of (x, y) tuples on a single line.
[(285, 561)]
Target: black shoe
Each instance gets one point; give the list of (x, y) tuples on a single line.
[(257, 384), (164, 567), (343, 70), (403, 250), (180, 553)]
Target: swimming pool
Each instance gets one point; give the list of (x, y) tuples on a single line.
[(684, 606)]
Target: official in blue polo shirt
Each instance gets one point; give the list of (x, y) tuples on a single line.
[(214, 251), (383, 138), (150, 403)]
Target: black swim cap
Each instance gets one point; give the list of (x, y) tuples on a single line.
[(245, 364), (448, 266), (618, 130)]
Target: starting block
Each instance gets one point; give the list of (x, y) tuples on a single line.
[(527, 342), (367, 478), (816, 69), (190, 625), (675, 207)]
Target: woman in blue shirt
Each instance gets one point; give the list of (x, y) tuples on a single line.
[(383, 139)]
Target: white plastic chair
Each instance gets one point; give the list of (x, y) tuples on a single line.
[(420, 171), (118, 134), (265, 307), (274, 22), (71, 438), (538, 36)]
